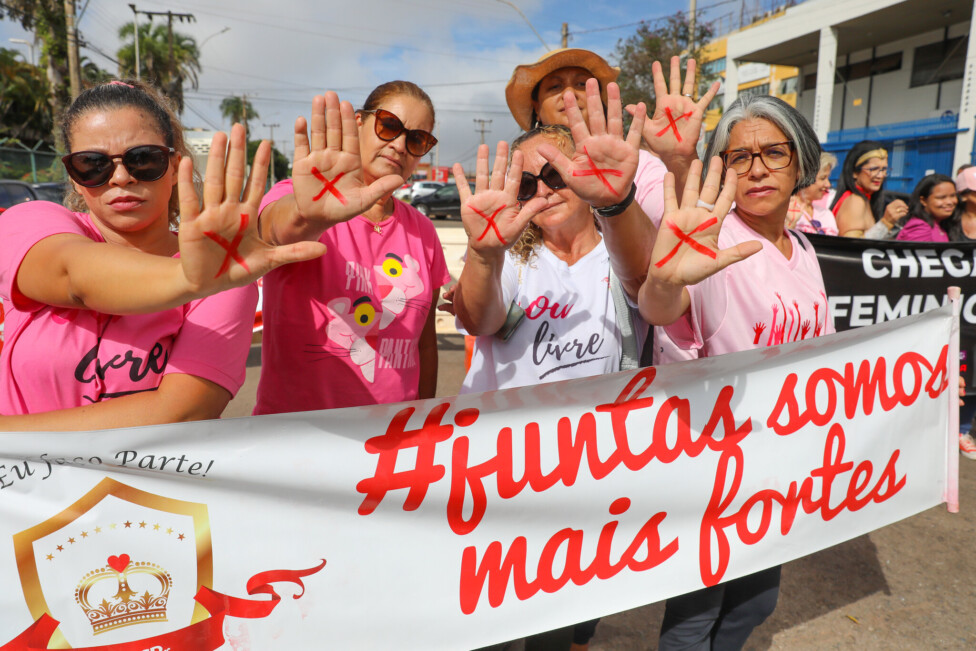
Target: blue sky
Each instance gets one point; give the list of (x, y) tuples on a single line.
[(461, 51)]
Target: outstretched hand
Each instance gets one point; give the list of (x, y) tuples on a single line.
[(327, 172), (686, 251), (675, 127), (604, 166), (492, 216), (220, 246)]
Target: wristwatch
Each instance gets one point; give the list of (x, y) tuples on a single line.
[(617, 208)]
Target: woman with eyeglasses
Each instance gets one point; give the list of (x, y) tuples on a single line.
[(774, 293), (356, 326), (859, 203), (113, 319)]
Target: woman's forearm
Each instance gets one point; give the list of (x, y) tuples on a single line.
[(479, 301)]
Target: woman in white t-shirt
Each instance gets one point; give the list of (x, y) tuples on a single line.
[(553, 284)]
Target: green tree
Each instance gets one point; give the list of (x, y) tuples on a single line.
[(46, 19), (25, 108), (155, 64), (281, 164), (658, 42), (238, 110)]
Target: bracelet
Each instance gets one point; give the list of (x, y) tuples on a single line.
[(616, 209)]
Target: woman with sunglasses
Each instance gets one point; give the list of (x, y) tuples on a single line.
[(859, 204), (105, 325), (536, 284), (356, 326), (773, 294)]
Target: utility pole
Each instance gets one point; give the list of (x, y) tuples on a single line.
[(74, 69), (693, 12), (135, 36), (482, 128), (244, 114), (566, 33), (175, 86), (272, 127)]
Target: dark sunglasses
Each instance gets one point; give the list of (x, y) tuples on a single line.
[(389, 127), (93, 168), (530, 182)]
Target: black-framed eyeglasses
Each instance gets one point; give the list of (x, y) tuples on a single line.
[(875, 171), (94, 168), (774, 156), (388, 127), (530, 182)]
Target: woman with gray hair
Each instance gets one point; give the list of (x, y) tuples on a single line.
[(774, 295)]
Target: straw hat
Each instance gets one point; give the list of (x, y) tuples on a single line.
[(518, 92)]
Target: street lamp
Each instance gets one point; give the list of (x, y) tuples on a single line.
[(29, 45), (204, 42), (512, 5)]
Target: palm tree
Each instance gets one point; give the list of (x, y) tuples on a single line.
[(25, 109), (168, 70), (238, 109)]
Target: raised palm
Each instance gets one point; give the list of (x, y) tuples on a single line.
[(492, 216), (675, 126), (220, 246), (686, 250), (327, 171), (603, 167)]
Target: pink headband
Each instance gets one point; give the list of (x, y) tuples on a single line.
[(120, 83)]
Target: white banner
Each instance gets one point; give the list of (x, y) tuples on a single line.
[(455, 523)]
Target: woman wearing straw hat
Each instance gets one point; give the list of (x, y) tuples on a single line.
[(537, 94)]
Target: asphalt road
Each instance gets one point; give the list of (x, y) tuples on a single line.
[(911, 585)]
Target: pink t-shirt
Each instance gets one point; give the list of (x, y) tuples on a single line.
[(763, 300), (917, 229), (344, 330), (650, 196), (56, 358)]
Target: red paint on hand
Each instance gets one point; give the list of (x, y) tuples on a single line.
[(329, 186), (673, 123), (686, 239), (491, 224), (598, 172), (230, 247)]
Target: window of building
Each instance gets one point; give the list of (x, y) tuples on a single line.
[(710, 68), (850, 72), (761, 89), (938, 62), (788, 86)]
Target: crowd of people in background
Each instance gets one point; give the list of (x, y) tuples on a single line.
[(149, 291)]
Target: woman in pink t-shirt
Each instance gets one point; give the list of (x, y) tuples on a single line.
[(356, 326), (112, 319), (773, 294)]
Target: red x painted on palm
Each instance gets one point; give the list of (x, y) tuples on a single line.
[(230, 247), (329, 186), (673, 123), (686, 238), (599, 173), (491, 224)]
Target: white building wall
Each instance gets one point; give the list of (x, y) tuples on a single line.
[(892, 98)]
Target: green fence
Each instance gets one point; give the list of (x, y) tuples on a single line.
[(33, 164)]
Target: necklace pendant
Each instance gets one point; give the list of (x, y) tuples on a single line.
[(377, 228)]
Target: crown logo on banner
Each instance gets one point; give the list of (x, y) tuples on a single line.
[(126, 607)]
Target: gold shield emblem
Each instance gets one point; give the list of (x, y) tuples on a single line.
[(120, 564)]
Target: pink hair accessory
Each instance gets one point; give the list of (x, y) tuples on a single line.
[(116, 82)]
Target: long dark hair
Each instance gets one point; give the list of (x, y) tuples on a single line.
[(846, 183)]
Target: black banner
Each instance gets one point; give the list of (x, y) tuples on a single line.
[(872, 281)]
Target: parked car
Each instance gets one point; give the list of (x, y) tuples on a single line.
[(444, 202), (424, 188), (403, 192), (14, 192)]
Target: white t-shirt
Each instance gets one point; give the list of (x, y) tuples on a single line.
[(569, 330)]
